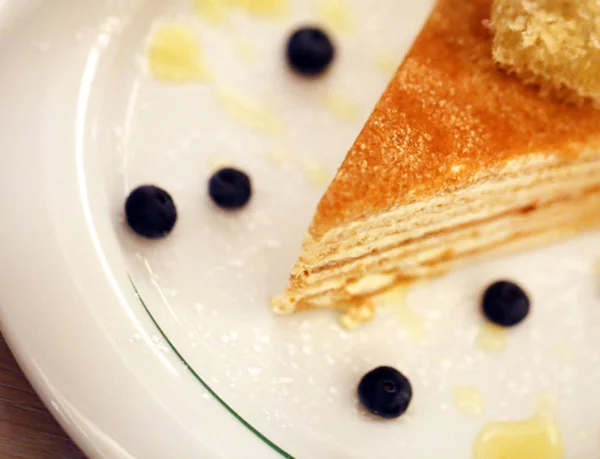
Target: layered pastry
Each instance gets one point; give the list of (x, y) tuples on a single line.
[(459, 159)]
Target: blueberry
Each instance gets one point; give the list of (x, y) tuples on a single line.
[(230, 188), (150, 211), (505, 303), (309, 51), (385, 392)]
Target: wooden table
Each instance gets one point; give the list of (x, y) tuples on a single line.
[(27, 429)]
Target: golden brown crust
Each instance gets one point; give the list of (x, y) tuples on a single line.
[(449, 118)]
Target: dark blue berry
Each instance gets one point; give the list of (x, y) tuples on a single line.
[(505, 303), (150, 211), (230, 188), (385, 392), (309, 51)]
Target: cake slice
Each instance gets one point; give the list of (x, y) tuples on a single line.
[(458, 159)]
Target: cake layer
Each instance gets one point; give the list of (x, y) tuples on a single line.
[(443, 221), (445, 211), (346, 288)]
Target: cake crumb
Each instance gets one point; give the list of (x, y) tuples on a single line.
[(357, 315)]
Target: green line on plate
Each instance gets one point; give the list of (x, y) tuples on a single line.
[(204, 384)]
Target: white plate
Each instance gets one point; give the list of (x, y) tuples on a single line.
[(194, 364)]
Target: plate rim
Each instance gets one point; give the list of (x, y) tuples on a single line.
[(52, 210)]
